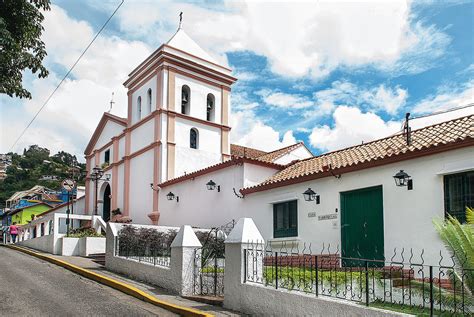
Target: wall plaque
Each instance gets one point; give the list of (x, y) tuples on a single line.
[(327, 217)]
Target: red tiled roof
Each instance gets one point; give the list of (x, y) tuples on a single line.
[(275, 155), (428, 140), (244, 151)]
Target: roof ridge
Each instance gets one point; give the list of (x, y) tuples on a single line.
[(115, 116), (285, 147), (248, 147)]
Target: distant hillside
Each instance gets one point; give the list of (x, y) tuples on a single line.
[(37, 167)]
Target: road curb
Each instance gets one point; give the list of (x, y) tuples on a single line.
[(123, 287)]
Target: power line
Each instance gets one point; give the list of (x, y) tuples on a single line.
[(66, 75)]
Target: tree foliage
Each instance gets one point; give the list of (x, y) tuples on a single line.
[(27, 170), (21, 46)]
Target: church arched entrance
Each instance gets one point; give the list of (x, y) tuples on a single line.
[(106, 204)]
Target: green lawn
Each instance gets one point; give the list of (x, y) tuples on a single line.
[(417, 311)]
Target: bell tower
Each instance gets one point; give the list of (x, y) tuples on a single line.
[(179, 100)]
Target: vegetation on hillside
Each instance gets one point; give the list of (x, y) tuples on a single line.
[(27, 170)]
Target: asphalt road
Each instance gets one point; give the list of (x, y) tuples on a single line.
[(32, 287)]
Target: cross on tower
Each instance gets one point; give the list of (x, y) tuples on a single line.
[(180, 19), (111, 102)]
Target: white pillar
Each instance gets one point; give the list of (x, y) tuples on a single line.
[(244, 233), (183, 251)]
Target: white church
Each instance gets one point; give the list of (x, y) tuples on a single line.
[(170, 162)]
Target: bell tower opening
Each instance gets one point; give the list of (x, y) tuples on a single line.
[(185, 100)]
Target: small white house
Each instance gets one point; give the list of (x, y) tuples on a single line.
[(170, 162), (356, 205)]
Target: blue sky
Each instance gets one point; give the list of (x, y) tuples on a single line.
[(329, 74)]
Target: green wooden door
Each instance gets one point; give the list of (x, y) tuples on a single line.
[(362, 225)]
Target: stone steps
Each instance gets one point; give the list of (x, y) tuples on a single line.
[(98, 258)]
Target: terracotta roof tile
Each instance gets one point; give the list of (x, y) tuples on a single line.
[(243, 151), (275, 155), (445, 133)]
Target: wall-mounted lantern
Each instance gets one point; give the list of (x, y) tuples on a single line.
[(310, 195), (171, 196), (211, 185), (403, 179)]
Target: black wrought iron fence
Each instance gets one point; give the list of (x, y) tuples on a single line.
[(400, 283), (209, 261), (145, 245)]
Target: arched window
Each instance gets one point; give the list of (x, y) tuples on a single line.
[(148, 95), (185, 99), (193, 138), (210, 107), (139, 108)]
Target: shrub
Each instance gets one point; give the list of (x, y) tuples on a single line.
[(459, 239), (145, 241), (84, 232)]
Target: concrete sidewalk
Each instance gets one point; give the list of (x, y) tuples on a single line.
[(161, 294)]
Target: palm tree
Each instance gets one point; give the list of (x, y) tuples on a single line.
[(459, 239)]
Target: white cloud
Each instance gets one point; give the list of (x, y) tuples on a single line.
[(387, 99), (379, 98), (69, 119), (302, 38), (351, 127), (284, 100), (245, 76), (447, 97), (249, 131)]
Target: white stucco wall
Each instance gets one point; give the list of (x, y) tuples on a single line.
[(255, 174), (142, 92), (163, 149), (208, 151), (199, 92), (141, 176), (407, 215), (142, 136), (110, 130), (120, 185), (299, 153), (121, 147), (102, 155), (201, 207)]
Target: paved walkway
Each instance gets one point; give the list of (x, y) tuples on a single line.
[(33, 287), (159, 293)]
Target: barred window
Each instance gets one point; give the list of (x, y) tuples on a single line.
[(193, 138), (107, 156), (149, 100), (285, 219), (458, 194)]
